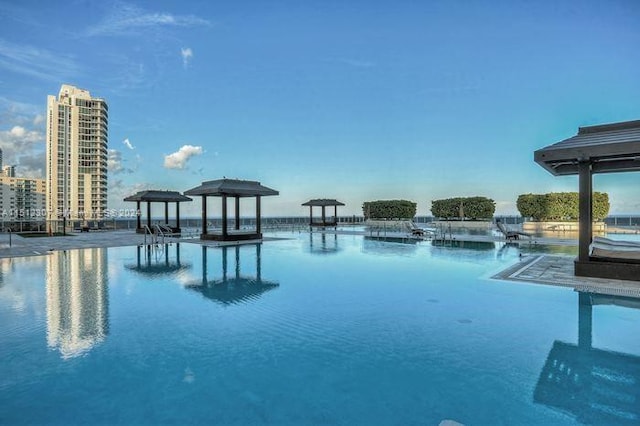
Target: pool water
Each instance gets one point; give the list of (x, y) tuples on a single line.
[(315, 329)]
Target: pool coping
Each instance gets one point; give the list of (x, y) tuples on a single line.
[(558, 270)]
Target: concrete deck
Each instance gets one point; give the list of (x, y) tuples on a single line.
[(35, 246), (558, 271)]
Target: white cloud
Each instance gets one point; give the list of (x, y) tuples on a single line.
[(114, 161), (38, 120), (128, 19), (128, 144), (178, 159), (187, 54), (23, 148)]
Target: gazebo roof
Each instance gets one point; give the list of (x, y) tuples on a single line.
[(610, 148), (323, 202), (233, 187), (158, 196)]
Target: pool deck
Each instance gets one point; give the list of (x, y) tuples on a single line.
[(558, 271), (37, 246)]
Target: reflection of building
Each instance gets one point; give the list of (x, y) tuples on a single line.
[(77, 300), (595, 385), (76, 155), (235, 288), (155, 259)]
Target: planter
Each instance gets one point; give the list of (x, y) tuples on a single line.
[(464, 224)]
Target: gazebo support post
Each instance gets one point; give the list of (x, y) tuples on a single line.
[(237, 213), (310, 217), (335, 216), (258, 224), (224, 216), (149, 214), (138, 214), (324, 221), (166, 212), (204, 215), (586, 210), (178, 215)]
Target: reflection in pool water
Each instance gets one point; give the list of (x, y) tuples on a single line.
[(595, 385), (235, 288), (77, 285), (378, 333)]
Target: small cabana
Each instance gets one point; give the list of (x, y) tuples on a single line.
[(324, 203), (154, 196), (607, 148), (225, 188)]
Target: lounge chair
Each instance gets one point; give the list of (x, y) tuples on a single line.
[(615, 249), (510, 235)]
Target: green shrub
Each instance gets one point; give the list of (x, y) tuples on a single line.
[(560, 206), (389, 209), (473, 208)]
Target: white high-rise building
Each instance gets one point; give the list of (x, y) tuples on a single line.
[(76, 169)]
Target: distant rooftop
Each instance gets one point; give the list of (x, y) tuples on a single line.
[(610, 148)]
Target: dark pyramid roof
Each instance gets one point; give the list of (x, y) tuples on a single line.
[(611, 147), (233, 187), (158, 196), (323, 202)]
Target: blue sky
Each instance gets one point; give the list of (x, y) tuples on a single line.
[(350, 100)]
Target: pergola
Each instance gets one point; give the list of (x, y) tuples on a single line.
[(237, 189), (607, 148), (154, 196), (323, 202)]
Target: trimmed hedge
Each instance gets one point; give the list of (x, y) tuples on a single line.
[(389, 209), (472, 208), (560, 206)]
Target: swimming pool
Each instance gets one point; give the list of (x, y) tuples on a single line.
[(316, 329)]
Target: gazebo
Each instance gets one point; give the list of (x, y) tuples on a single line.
[(324, 203), (237, 189), (154, 196), (607, 148)]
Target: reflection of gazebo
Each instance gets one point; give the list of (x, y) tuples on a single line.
[(607, 148), (237, 189), (323, 202), (326, 246), (597, 386), (157, 260), (153, 196), (237, 288)]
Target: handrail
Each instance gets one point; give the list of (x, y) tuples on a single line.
[(160, 233), (147, 229)]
